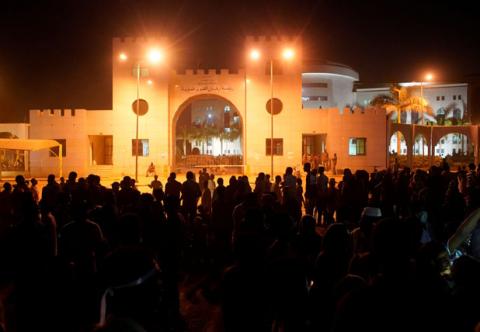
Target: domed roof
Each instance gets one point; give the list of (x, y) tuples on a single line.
[(331, 68)]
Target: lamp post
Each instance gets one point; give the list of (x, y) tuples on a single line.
[(287, 54), (153, 56), (428, 77)]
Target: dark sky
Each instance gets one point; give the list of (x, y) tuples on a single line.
[(57, 54)]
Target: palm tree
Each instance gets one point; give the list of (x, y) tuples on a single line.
[(399, 101)]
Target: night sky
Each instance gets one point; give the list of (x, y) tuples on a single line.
[(57, 54)]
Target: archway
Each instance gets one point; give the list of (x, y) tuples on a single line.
[(208, 132), (420, 146), (394, 147), (453, 145)]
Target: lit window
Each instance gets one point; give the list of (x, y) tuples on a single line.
[(357, 146), (315, 85), (55, 150), (277, 147), (143, 147)]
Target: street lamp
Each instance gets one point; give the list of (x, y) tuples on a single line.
[(428, 77), (287, 54), (153, 56)]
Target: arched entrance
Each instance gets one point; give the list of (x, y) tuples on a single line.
[(208, 132), (394, 147)]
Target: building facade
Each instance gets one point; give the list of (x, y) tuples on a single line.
[(321, 113)]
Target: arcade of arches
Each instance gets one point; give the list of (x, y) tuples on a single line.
[(423, 146), (208, 133)]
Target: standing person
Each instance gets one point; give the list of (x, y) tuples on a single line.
[(155, 184), (277, 188), (206, 200), (334, 164), (173, 187), (327, 161), (310, 188), (34, 190), (190, 194), (322, 186), (211, 184), (333, 195), (268, 184)]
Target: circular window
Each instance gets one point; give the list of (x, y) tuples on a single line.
[(141, 106), (276, 106)]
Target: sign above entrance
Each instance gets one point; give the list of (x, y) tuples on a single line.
[(205, 85), (141, 105)]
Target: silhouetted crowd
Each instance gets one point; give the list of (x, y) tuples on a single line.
[(386, 251)]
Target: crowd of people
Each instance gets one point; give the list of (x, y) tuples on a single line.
[(394, 250)]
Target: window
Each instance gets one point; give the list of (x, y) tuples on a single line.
[(315, 98), (143, 147), (54, 151), (443, 97), (357, 146), (277, 147), (454, 97), (438, 98), (459, 97), (315, 85)]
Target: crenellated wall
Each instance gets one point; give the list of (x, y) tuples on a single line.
[(68, 124)]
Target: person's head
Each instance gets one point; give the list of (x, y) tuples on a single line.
[(321, 170), (289, 171), (232, 181), (173, 176), (51, 178), (72, 176), (115, 186), (307, 167), (278, 179), (34, 182), (204, 170), (20, 180), (368, 218), (212, 176), (190, 175), (472, 166), (220, 181), (62, 180), (331, 183), (307, 224), (7, 187), (155, 177)]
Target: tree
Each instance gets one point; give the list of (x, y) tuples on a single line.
[(399, 101)]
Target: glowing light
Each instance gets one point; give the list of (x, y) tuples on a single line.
[(123, 57), (155, 55), (255, 54), (209, 115), (150, 82), (429, 77), (288, 54)]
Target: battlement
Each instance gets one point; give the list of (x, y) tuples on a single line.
[(362, 111), (209, 72), (67, 112), (272, 38), (139, 40)]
